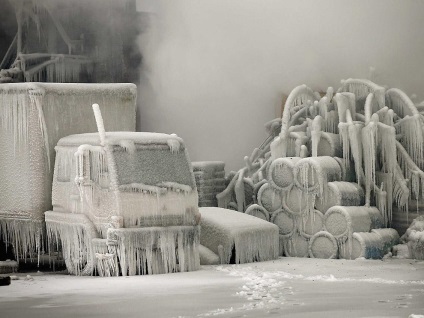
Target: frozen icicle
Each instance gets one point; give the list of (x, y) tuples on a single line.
[(355, 141), (312, 174), (311, 223), (36, 97), (156, 250), (174, 145), (298, 202), (24, 235), (387, 145), (369, 145), (344, 136), (316, 134), (368, 107), (128, 145), (384, 199), (75, 232), (411, 129)]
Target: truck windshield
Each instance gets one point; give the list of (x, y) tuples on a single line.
[(152, 165)]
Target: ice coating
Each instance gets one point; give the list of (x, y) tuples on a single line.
[(251, 238), (33, 117), (341, 193), (414, 238), (156, 250), (258, 211), (124, 203), (343, 221), (269, 198), (312, 174), (285, 221), (323, 245), (311, 223), (296, 246)]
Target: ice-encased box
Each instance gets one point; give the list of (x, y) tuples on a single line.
[(33, 117)]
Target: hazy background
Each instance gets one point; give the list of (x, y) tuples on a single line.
[(214, 71)]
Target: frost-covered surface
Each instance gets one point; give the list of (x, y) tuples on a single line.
[(33, 117), (251, 238), (356, 154), (287, 287)]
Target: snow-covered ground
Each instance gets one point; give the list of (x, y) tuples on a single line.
[(289, 287)]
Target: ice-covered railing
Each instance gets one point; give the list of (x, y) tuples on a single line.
[(57, 68), (378, 146)]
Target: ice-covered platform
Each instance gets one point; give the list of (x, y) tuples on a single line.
[(287, 287)]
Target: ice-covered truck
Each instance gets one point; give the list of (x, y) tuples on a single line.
[(33, 117), (124, 203)]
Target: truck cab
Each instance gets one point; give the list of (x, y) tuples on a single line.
[(125, 203)]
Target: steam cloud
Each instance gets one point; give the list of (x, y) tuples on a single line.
[(215, 71)]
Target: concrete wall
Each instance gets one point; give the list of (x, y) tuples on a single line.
[(214, 71)]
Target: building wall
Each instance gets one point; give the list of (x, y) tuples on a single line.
[(214, 71)]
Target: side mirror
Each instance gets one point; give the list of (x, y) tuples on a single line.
[(82, 156)]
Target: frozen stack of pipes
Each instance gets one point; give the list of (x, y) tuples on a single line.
[(344, 165), (210, 180), (287, 198), (317, 214)]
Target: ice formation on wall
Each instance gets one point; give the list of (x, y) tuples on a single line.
[(354, 155), (33, 117)]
